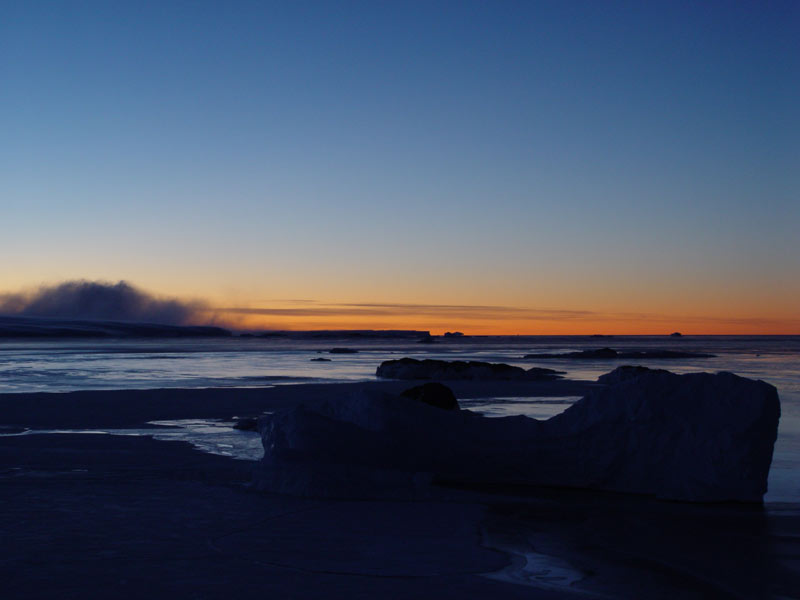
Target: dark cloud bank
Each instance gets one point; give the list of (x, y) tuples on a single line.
[(91, 309), (94, 300)]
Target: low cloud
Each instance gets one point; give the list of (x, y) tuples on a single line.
[(121, 301), (97, 300)]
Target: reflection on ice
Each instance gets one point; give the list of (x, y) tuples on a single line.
[(538, 570), (207, 435), (212, 436), (534, 407)]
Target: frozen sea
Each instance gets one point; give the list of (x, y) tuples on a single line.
[(68, 365)]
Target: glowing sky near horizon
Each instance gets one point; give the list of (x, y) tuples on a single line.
[(508, 167)]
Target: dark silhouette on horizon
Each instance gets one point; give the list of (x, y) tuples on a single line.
[(97, 300)]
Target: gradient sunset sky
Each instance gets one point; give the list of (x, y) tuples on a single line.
[(488, 167)]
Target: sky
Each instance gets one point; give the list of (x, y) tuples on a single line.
[(488, 167)]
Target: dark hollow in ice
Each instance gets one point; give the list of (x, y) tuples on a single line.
[(433, 394)]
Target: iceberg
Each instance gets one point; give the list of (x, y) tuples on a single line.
[(411, 368), (698, 438)]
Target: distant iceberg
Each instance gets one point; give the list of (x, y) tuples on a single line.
[(411, 368), (696, 437)]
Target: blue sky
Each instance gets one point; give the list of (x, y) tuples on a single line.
[(610, 156)]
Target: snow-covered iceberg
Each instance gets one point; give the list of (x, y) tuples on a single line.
[(697, 437)]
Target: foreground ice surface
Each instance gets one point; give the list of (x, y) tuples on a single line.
[(695, 437)]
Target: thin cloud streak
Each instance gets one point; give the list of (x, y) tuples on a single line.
[(491, 313), (122, 301), (412, 310)]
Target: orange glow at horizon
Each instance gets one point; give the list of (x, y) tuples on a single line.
[(476, 323), (584, 307)]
